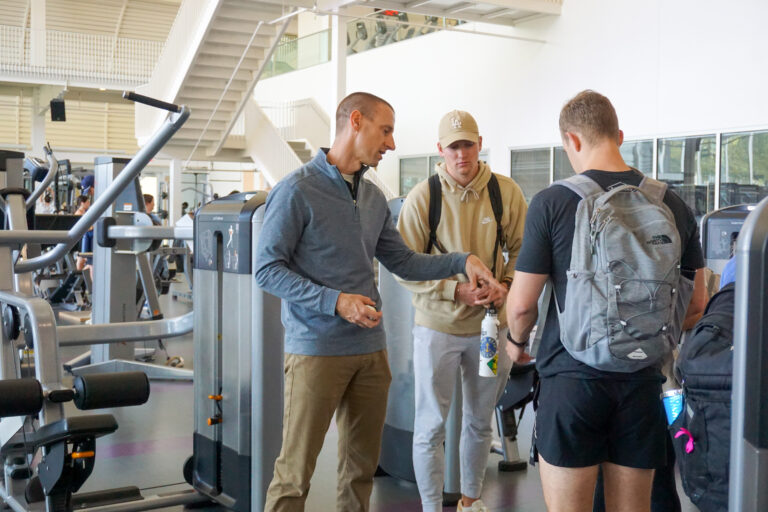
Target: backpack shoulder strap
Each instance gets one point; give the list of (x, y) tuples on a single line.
[(653, 188), (435, 211), (581, 185), (494, 193)]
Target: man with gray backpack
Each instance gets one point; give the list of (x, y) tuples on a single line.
[(621, 251)]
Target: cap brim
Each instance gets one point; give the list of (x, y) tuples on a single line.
[(454, 136)]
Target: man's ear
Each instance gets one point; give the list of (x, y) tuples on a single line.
[(574, 140), (440, 149), (621, 137), (479, 143), (354, 119)]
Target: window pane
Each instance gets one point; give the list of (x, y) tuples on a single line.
[(530, 169), (433, 160), (412, 171), (687, 164), (563, 167), (638, 154), (743, 167)]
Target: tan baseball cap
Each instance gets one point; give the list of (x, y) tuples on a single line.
[(457, 125)]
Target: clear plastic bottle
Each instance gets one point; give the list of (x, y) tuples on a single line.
[(489, 344)]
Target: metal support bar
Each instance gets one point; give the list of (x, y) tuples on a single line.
[(148, 503), (79, 335), (32, 237), (148, 285), (150, 232)]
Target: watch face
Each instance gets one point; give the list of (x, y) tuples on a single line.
[(487, 347)]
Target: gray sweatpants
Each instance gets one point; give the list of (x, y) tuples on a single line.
[(436, 358)]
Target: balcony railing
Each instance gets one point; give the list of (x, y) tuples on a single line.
[(298, 53), (76, 56)]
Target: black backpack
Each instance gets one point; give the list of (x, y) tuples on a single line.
[(436, 209), (705, 367)]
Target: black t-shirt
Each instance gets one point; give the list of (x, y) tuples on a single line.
[(546, 249)]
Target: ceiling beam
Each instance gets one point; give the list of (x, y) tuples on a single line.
[(415, 3), (498, 13), (461, 7)]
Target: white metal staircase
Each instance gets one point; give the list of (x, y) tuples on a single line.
[(214, 55), (216, 52)]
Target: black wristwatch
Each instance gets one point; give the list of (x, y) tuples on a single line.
[(515, 343)]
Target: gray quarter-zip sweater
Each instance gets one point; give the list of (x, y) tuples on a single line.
[(318, 241)]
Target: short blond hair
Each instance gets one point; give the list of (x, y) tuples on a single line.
[(590, 114)]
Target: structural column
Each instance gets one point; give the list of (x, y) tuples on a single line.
[(339, 58), (37, 35), (174, 192)]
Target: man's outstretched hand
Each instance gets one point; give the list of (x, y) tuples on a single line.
[(476, 271), (355, 309)]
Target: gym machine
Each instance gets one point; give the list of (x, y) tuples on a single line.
[(719, 230), (749, 412), (238, 340), (67, 443), (396, 457)]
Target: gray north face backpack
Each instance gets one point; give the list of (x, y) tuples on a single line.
[(625, 297)]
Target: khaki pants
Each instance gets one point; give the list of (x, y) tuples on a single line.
[(355, 387)]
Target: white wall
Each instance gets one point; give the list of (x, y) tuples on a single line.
[(670, 67)]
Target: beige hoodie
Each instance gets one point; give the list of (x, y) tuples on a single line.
[(467, 224)]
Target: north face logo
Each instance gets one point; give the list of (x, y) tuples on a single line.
[(659, 240)]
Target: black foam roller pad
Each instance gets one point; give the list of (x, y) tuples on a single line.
[(102, 390), (20, 397)]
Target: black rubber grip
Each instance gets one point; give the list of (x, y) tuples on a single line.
[(101, 390), (20, 397), (152, 102), (101, 232)]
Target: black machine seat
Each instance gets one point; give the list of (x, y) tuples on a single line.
[(96, 425)]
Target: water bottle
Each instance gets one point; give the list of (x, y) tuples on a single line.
[(489, 344)]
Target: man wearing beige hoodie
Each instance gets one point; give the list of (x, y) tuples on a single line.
[(448, 313)]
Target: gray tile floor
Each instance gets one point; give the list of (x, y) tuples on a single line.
[(153, 441)]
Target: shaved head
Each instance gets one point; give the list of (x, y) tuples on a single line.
[(363, 102)]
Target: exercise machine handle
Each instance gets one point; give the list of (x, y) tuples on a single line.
[(152, 102)]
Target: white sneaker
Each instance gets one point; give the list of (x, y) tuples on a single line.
[(477, 506)]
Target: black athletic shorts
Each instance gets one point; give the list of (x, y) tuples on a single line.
[(584, 422)]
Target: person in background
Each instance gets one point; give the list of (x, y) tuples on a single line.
[(187, 220), (44, 204), (149, 206), (86, 184), (86, 244), (83, 203)]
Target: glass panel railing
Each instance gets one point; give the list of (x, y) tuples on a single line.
[(295, 53)]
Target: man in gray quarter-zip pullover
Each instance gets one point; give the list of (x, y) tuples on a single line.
[(323, 226)]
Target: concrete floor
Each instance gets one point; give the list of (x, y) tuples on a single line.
[(153, 441)]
